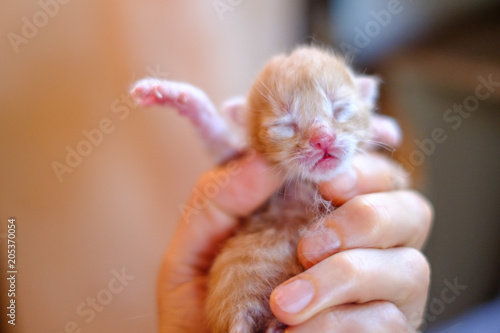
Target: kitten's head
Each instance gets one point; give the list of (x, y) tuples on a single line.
[(308, 112)]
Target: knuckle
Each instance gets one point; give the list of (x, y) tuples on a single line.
[(422, 216), (421, 263), (373, 218), (420, 269), (391, 318), (428, 210), (346, 265), (425, 206), (391, 313), (376, 317)]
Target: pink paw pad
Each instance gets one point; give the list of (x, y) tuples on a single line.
[(183, 98), (149, 92)]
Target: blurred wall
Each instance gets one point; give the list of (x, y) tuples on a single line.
[(110, 212), (402, 23)]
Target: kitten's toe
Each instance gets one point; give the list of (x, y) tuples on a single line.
[(151, 91), (183, 98), (146, 92)]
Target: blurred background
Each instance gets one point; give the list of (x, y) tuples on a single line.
[(95, 182)]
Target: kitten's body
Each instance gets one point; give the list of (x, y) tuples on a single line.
[(307, 114), (258, 258)]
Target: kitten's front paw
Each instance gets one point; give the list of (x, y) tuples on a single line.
[(151, 91), (147, 92)]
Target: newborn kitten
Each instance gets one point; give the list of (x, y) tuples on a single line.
[(307, 113)]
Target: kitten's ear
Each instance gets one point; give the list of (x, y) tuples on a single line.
[(234, 109), (368, 87)]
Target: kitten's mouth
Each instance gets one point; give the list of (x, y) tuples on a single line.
[(326, 163)]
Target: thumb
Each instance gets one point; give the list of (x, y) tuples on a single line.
[(210, 216)]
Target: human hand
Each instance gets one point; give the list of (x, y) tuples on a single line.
[(183, 276), (364, 269)]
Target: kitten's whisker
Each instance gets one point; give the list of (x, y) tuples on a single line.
[(266, 97), (361, 152), (380, 144)]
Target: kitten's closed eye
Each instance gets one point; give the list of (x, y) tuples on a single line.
[(341, 111), (283, 127), (282, 130)]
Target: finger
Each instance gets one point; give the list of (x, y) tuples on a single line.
[(368, 174), (385, 130), (380, 220), (211, 215), (372, 317), (398, 275)]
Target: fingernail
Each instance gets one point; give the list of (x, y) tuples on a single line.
[(346, 182), (294, 296), (316, 248)]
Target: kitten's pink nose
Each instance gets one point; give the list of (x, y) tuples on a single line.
[(322, 140)]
